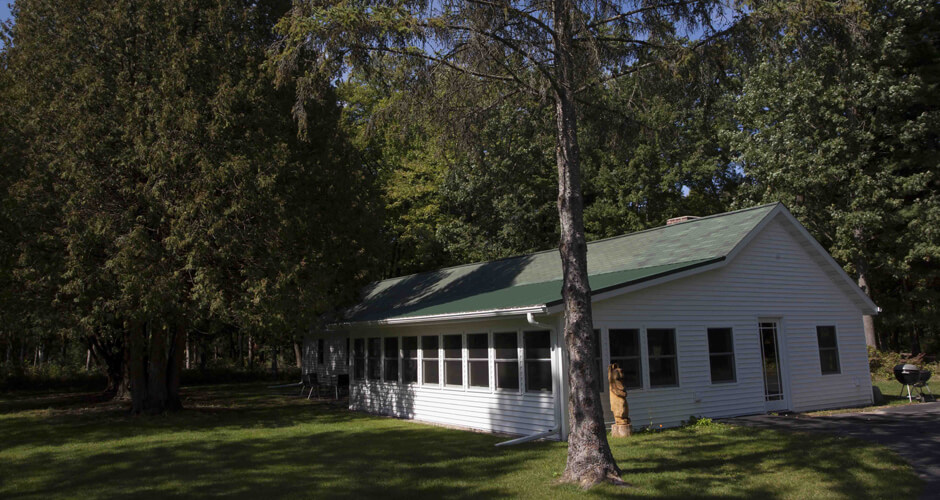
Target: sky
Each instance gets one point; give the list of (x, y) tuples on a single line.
[(4, 10)]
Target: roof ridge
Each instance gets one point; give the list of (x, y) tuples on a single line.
[(609, 238)]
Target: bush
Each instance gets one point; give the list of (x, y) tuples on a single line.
[(50, 377), (882, 363)]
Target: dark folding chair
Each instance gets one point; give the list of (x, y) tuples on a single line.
[(310, 381)]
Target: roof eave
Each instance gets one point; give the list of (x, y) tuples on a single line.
[(444, 318)]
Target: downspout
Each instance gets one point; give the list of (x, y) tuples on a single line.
[(531, 437), (558, 394), (530, 317)]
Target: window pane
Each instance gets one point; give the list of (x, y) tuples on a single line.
[(375, 361), (719, 340), (479, 373), (477, 346), (429, 347), (624, 343), (452, 344), (538, 345), (409, 371), (505, 346), (662, 372), (829, 360), (375, 347), (631, 373), (409, 347), (359, 353), (453, 373), (391, 370), (507, 375), (320, 350), (722, 367), (661, 342), (826, 336), (358, 349), (391, 347), (430, 369), (538, 376)]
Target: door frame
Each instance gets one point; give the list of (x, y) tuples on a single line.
[(782, 359)]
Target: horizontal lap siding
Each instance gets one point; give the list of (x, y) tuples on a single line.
[(334, 356), (774, 276), (487, 410), (509, 413)]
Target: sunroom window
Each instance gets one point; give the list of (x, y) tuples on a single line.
[(625, 351), (538, 361), (429, 360), (661, 343), (409, 360), (453, 360), (506, 360), (478, 364)]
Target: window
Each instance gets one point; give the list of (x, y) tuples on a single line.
[(538, 361), (599, 362), (721, 355), (625, 351), (828, 349), (661, 343), (319, 351), (429, 357), (478, 364), (391, 359), (453, 360), (359, 359), (375, 358), (506, 359), (409, 360)]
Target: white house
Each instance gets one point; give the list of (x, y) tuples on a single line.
[(733, 314)]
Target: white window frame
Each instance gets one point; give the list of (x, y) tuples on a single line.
[(551, 350), (641, 345), (518, 360), (402, 358), (487, 360)]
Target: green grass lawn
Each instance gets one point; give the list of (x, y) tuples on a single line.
[(244, 441)]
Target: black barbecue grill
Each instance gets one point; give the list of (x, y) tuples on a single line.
[(911, 376)]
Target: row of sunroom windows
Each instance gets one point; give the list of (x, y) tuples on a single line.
[(450, 359), (494, 360)]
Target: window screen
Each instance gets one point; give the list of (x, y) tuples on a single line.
[(506, 360), (453, 360), (391, 359), (538, 361), (409, 360), (429, 359), (359, 359), (478, 364), (375, 358)]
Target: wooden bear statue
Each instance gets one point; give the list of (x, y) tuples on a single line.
[(618, 402)]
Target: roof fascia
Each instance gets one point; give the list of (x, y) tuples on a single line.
[(447, 318)]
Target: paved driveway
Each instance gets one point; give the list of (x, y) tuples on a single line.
[(913, 431)]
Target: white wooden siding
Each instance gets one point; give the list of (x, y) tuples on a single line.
[(511, 412), (773, 277), (334, 356)]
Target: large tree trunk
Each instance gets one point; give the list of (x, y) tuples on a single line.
[(589, 458), (868, 321), (157, 373)]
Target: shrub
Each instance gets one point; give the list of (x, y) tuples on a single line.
[(882, 363)]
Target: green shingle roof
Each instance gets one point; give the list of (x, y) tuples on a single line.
[(535, 279)]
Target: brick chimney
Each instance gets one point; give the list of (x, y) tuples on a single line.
[(681, 218)]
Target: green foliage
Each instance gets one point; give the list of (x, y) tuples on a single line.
[(838, 119)]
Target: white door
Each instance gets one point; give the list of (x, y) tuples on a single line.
[(774, 394)]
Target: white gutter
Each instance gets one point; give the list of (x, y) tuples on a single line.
[(530, 317), (431, 318), (531, 437)]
